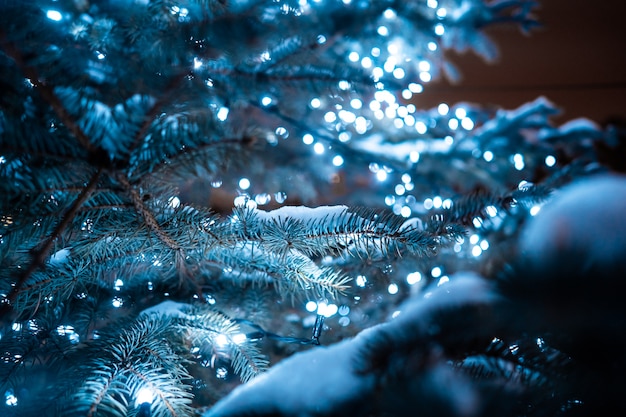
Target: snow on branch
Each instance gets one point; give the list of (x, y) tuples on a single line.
[(355, 376)]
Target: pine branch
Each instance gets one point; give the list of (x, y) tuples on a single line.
[(122, 363), (217, 337), (48, 94), (40, 253)]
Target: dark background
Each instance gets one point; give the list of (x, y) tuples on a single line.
[(577, 60)]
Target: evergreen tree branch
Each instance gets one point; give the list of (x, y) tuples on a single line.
[(47, 92), (153, 112), (147, 214), (39, 254)]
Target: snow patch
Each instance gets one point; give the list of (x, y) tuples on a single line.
[(335, 380)]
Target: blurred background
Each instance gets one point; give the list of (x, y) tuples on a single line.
[(577, 60)]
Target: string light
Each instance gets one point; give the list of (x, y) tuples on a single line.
[(144, 395)]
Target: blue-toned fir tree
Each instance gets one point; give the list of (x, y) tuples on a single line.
[(239, 208)]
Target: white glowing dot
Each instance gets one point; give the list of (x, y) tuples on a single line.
[(435, 272), (347, 116), (117, 302), (443, 109), (251, 204), (446, 204), (222, 113), (390, 200), (550, 160), (381, 175), (144, 395), (421, 127), (478, 222), (266, 100), (424, 66), (361, 280), (428, 203), (10, 398), (474, 239), (432, 46), (262, 198), (319, 148), (316, 103), (392, 289), (405, 211), (413, 278), (174, 201), (239, 338), (390, 112), (460, 112), (432, 4), (518, 160), (406, 178), (338, 160), (389, 13), (453, 124), (390, 64), (416, 88), (239, 201), (484, 245), (476, 251), (360, 125), (119, 283), (439, 29), (307, 138), (437, 202), (101, 55), (353, 56), (488, 156), (356, 103), (367, 62), (467, 123), (534, 210), (491, 211), (382, 30), (398, 73), (330, 117), (54, 15), (344, 85), (406, 94), (221, 340), (244, 183), (197, 63), (425, 76), (414, 156), (311, 306), (327, 310), (378, 72)]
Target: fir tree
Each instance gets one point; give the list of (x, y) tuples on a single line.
[(197, 194)]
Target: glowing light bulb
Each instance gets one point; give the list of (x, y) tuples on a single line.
[(144, 395), (244, 183), (54, 15)]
